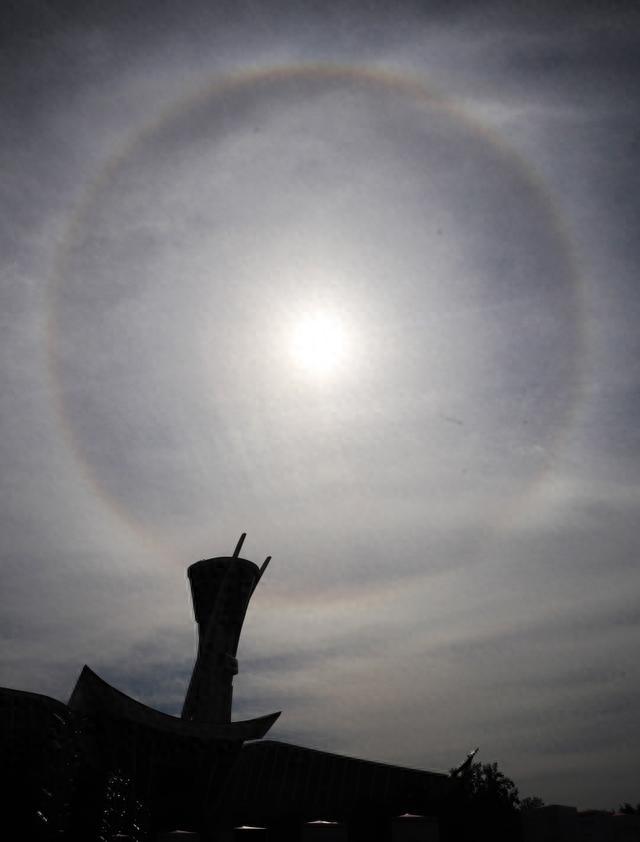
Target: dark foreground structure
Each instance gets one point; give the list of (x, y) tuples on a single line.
[(105, 766)]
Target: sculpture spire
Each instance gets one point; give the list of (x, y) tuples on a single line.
[(221, 589)]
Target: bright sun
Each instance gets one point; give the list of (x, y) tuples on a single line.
[(319, 343)]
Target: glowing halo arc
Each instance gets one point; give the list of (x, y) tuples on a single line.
[(376, 78)]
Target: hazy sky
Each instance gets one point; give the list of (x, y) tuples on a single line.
[(361, 280)]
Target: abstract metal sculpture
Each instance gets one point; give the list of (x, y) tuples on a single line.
[(221, 589)]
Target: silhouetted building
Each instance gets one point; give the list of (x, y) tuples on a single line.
[(559, 823), (106, 766)]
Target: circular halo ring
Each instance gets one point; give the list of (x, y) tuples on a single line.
[(375, 78)]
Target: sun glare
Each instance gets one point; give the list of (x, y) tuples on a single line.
[(319, 343)]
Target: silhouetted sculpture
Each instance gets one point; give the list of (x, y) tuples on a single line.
[(107, 764), (221, 589)]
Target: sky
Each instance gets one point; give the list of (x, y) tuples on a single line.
[(359, 279)]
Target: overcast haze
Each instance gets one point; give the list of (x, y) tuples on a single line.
[(446, 476)]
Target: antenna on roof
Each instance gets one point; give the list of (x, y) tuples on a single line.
[(236, 552), (466, 765)]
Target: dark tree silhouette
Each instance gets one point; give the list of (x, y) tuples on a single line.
[(484, 805), (531, 802), (629, 809)]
